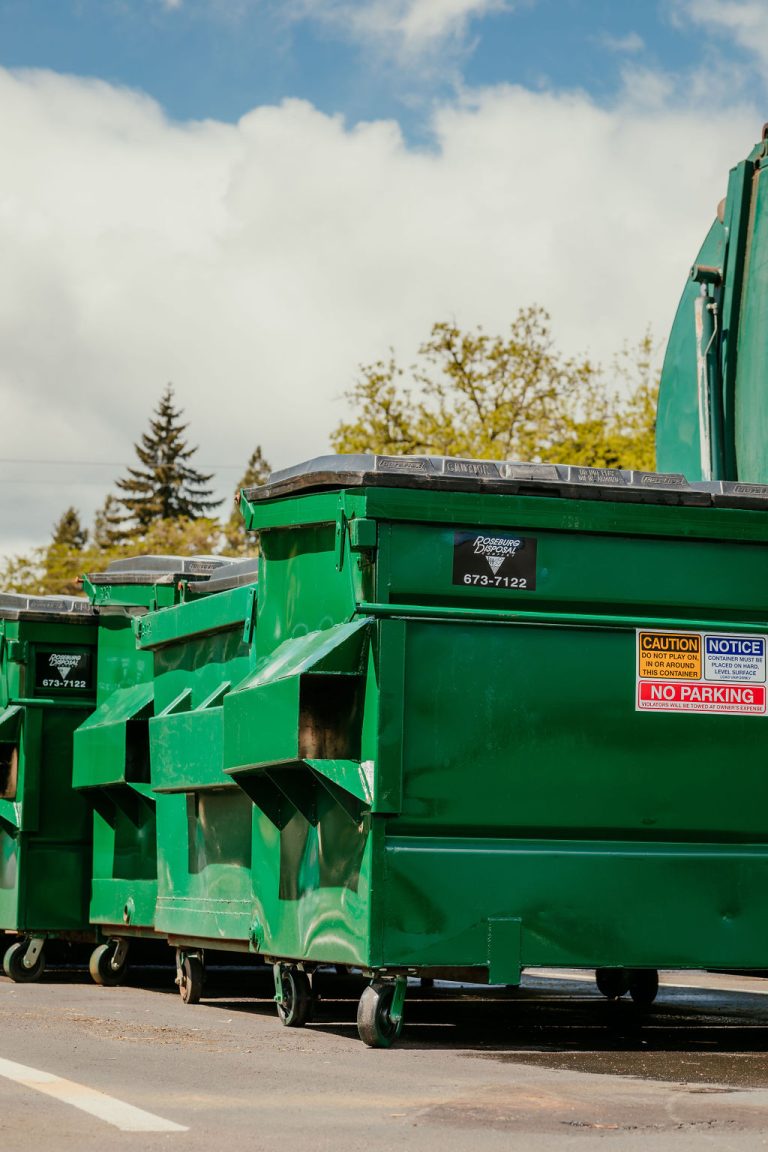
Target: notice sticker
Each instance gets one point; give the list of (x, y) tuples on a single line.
[(701, 672), (735, 658)]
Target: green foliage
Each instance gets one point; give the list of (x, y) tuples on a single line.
[(165, 487), (615, 427), (257, 472), (56, 568), (512, 397)]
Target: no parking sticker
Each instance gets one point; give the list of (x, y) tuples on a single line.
[(701, 672)]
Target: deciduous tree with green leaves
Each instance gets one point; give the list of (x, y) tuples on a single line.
[(511, 397)]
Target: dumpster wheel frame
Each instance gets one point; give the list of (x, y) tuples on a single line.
[(380, 1012), (190, 976), (108, 963), (294, 997)]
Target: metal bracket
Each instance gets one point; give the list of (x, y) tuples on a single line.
[(250, 615), (398, 1000), (277, 970), (119, 955), (34, 948), (17, 651), (341, 539)]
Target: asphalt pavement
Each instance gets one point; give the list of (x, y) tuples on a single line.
[(549, 1066)]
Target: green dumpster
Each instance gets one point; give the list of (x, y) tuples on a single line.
[(201, 648), (502, 716), (47, 687), (111, 768)]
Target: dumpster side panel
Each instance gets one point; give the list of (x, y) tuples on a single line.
[(590, 822), (204, 822), (111, 773), (204, 866)]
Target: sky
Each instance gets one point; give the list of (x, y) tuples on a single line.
[(251, 198)]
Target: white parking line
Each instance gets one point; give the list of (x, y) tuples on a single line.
[(107, 1108)]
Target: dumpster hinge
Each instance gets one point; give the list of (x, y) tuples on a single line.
[(341, 539), (250, 616)]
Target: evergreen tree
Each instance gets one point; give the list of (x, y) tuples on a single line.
[(68, 531), (257, 472), (166, 486), (109, 530)]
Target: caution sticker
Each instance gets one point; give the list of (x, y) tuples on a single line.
[(669, 655), (701, 672)]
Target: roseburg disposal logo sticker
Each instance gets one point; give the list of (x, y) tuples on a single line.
[(500, 560)]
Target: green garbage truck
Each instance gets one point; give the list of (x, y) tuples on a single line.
[(712, 420)]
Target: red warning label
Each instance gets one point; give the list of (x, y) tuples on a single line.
[(663, 696)]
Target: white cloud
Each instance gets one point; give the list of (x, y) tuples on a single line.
[(256, 265), (744, 21), (629, 44), (412, 27)]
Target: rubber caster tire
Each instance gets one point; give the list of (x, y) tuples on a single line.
[(644, 986), (375, 1026), (191, 978), (100, 967), (612, 982), (14, 966), (296, 1008)]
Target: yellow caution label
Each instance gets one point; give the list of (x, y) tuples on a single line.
[(669, 655)]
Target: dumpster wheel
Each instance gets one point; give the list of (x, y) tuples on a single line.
[(190, 976), (380, 1013), (14, 966), (295, 1003), (109, 963), (613, 982), (644, 986)]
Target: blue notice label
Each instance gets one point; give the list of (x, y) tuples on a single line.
[(734, 646)]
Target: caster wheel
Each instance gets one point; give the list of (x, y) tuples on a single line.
[(296, 1007), (190, 979), (14, 966), (612, 982), (644, 986), (102, 969), (375, 1026)]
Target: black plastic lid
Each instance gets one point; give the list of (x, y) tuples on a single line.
[(158, 569), (236, 574), (14, 605), (504, 477)]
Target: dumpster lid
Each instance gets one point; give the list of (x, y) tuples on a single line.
[(13, 605), (234, 574), (503, 477), (158, 569)]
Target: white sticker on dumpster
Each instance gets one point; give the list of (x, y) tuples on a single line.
[(689, 671), (734, 658)]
